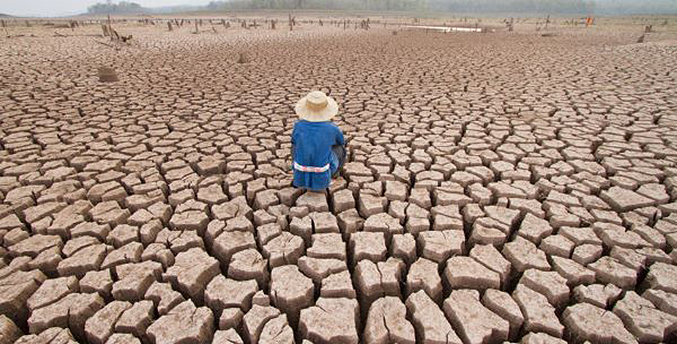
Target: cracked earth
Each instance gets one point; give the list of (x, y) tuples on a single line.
[(499, 187)]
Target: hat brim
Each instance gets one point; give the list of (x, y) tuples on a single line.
[(324, 115)]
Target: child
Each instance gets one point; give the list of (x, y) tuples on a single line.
[(318, 150)]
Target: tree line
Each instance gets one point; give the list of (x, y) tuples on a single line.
[(455, 6), (122, 7), (514, 6), (374, 5), (463, 6)]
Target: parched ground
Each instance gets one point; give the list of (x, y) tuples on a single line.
[(500, 187)]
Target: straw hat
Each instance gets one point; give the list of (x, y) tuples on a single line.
[(316, 107)]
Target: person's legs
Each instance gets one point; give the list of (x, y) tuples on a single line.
[(333, 164), (342, 154), (338, 157)]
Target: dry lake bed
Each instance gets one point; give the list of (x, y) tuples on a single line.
[(500, 186)]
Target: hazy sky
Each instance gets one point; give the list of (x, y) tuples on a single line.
[(69, 7)]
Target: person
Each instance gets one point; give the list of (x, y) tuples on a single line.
[(318, 145)]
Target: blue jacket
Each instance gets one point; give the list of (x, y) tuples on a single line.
[(312, 147)]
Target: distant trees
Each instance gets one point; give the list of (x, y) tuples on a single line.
[(554, 6), (637, 7), (377, 5), (515, 6), (558, 6), (113, 8), (456, 6)]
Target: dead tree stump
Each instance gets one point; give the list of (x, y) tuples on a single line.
[(107, 74), (640, 39), (169, 26), (104, 28), (243, 58), (113, 34), (292, 22)]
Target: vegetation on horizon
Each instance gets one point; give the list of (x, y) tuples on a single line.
[(458, 6), (463, 6), (563, 6), (123, 7)]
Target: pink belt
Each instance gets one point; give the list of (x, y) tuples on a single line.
[(302, 168)]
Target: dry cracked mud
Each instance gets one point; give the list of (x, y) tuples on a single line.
[(499, 187)]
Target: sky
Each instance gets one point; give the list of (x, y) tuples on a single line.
[(54, 8)]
